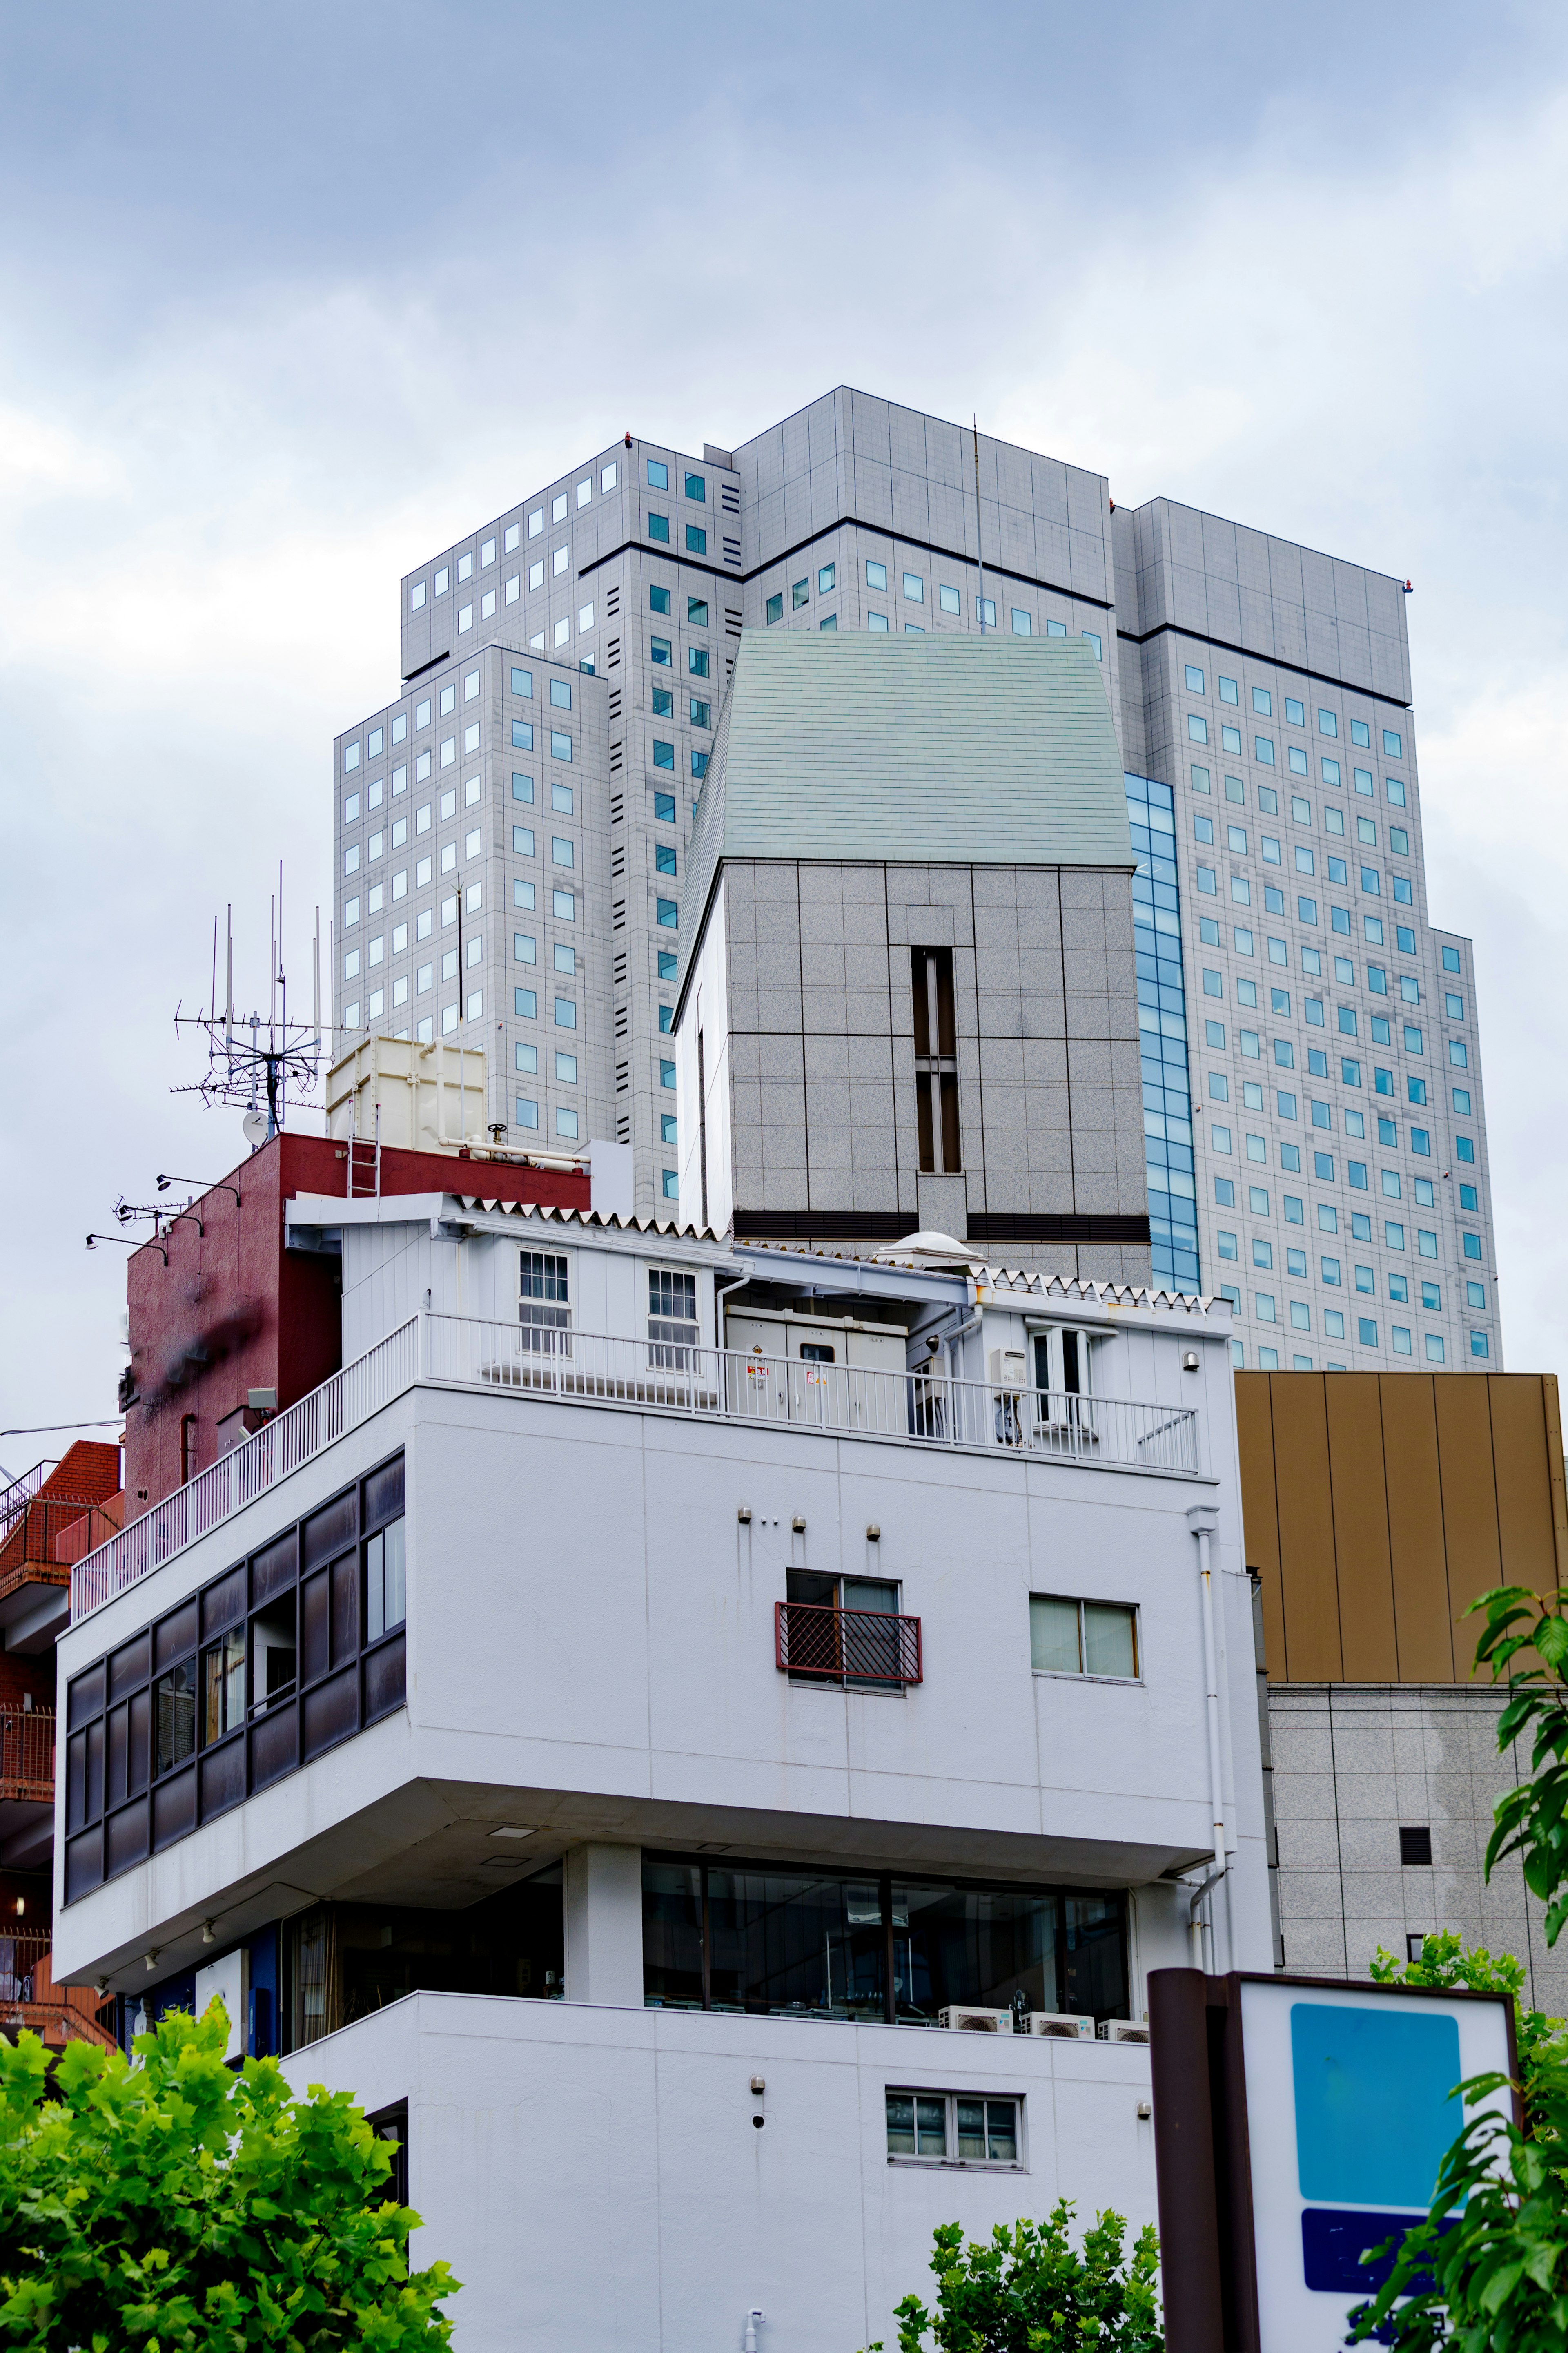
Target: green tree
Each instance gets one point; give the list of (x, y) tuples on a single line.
[(1488, 2271), (176, 2204), (1028, 2292)]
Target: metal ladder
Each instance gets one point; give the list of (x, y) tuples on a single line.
[(364, 1163)]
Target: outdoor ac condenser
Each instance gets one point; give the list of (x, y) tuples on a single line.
[(976, 2022), (1057, 2023), (1122, 2030)]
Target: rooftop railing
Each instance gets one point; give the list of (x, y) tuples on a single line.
[(925, 1408), (290, 1439)]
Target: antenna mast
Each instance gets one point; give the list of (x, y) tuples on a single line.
[(278, 1053)]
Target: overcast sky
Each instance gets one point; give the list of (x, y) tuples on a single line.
[(291, 296)]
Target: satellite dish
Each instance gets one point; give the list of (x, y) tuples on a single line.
[(255, 1128)]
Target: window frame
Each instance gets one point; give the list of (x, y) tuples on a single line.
[(1084, 1674), (184, 1794), (949, 2163)]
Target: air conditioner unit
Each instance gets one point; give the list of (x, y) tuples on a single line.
[(1121, 2030), (1057, 2023), (1009, 1368), (976, 2022)]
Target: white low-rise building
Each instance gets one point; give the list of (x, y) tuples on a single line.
[(629, 1723)]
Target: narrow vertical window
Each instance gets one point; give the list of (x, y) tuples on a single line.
[(702, 1127), (936, 1064)]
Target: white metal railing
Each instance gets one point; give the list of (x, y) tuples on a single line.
[(925, 1407), (236, 1479), (671, 1376)]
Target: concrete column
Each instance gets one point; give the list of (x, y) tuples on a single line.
[(603, 1925)]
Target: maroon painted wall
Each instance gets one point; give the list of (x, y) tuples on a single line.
[(234, 1311)]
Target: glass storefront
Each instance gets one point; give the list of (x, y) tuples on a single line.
[(822, 1944)]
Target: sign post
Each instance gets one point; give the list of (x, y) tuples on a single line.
[(1297, 2122)]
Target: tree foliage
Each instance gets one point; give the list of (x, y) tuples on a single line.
[(1488, 2271), (1029, 2292), (174, 2206)]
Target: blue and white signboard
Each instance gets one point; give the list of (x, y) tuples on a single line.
[(1347, 2116)]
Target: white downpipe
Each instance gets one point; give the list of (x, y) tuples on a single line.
[(1203, 1519)]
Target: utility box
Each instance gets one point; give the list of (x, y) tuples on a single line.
[(818, 1339), (1009, 1368), (394, 1091)]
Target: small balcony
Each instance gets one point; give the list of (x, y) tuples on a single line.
[(27, 1756), (30, 1998), (864, 1648)]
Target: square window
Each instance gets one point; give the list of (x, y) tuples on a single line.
[(1263, 751), (1022, 623), (696, 539), (914, 589), (1263, 702), (563, 906), (877, 623)]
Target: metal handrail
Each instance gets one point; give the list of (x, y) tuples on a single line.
[(270, 1453), (27, 1746), (733, 1386), (847, 1646), (673, 1377)]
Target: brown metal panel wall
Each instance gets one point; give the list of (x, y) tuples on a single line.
[(1471, 1534), (1366, 1575), (1261, 1507), (1524, 1497), (1307, 1576), (1557, 1471), (1417, 1555)]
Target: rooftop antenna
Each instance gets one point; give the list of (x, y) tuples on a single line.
[(256, 1073), (979, 542)]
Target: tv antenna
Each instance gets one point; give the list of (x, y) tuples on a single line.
[(258, 1061)]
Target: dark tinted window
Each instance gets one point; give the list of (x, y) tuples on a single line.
[(272, 1571), (176, 1636), (86, 1696), (383, 1493), (329, 1530), (131, 1665)]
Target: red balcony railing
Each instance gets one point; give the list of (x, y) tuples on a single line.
[(27, 1753), (847, 1646)]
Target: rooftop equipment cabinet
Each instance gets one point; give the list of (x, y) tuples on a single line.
[(397, 1092)]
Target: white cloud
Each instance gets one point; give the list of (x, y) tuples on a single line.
[(202, 535)]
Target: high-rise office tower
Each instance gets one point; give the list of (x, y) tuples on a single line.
[(1313, 1112)]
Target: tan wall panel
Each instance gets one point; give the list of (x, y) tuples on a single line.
[(1304, 1488), (1259, 1506), (1469, 1501), (1524, 1497), (1418, 1556), (1557, 1471), (1364, 1572)]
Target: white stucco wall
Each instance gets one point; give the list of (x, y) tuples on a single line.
[(594, 2176)]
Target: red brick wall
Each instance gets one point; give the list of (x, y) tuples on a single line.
[(263, 1317)]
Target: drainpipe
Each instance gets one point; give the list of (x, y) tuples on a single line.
[(1203, 1519)]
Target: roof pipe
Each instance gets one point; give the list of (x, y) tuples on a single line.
[(1203, 1519)]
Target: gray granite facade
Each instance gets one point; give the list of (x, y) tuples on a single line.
[(1353, 1764), (820, 1040)]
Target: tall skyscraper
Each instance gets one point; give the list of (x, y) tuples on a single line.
[(1313, 1113)]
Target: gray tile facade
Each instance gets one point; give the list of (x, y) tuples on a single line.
[(1352, 1763), (821, 1040)]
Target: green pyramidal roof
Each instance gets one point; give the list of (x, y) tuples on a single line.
[(968, 750)]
